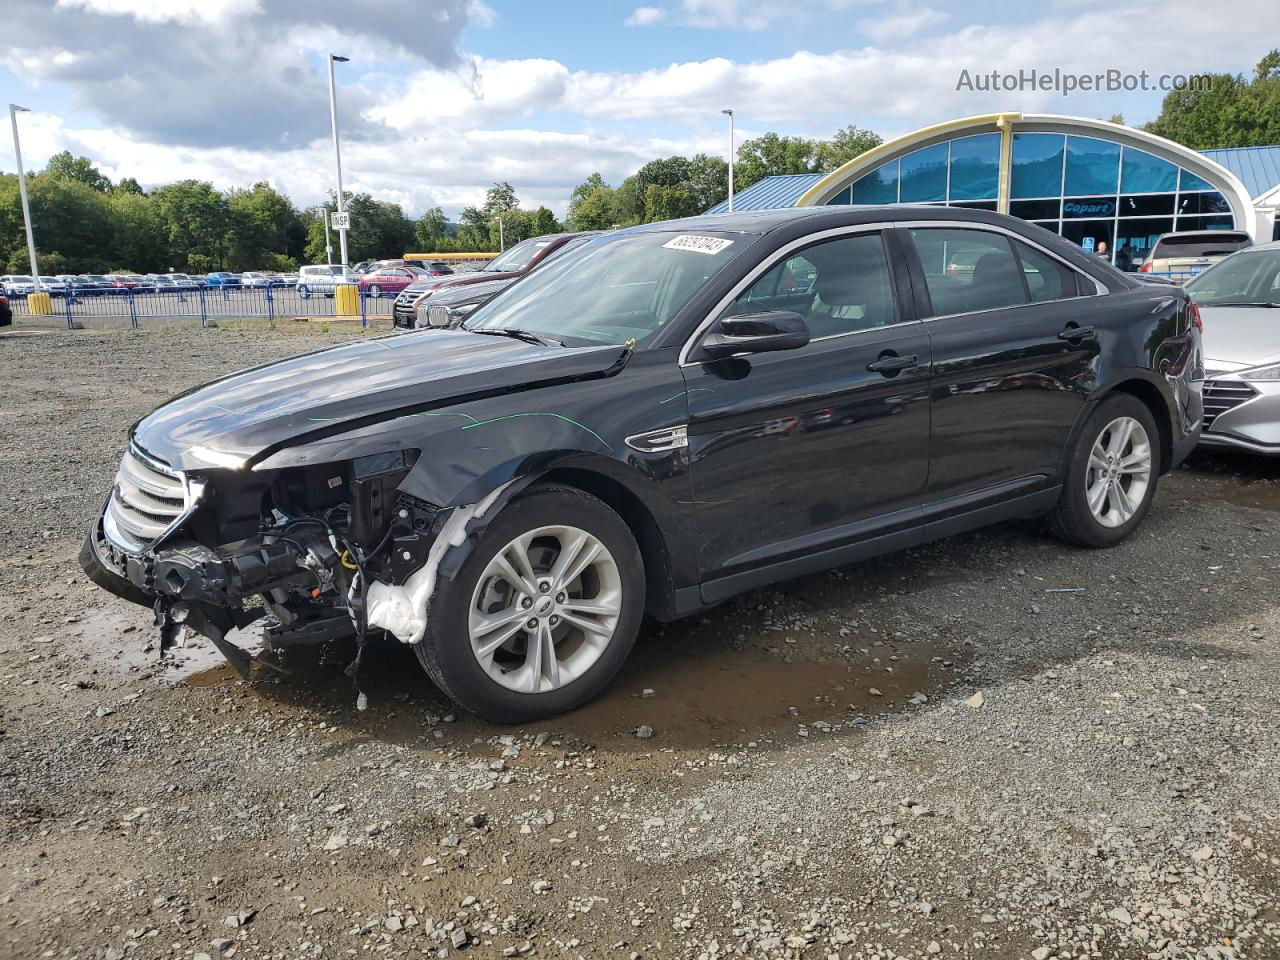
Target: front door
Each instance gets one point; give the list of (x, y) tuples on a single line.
[(799, 451)]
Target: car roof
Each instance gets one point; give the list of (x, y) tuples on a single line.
[(764, 221)]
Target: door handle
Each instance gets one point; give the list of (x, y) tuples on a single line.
[(890, 364), (1078, 334)]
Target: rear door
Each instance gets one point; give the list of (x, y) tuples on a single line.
[(801, 451), (1013, 347)]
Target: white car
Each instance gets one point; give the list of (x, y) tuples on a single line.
[(252, 278), (319, 279), (18, 284)]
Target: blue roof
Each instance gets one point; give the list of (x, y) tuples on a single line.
[(1257, 167), (771, 193)]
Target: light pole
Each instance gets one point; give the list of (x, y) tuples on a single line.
[(14, 110), (729, 113), (337, 157)]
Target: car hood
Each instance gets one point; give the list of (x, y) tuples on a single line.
[(246, 416), (439, 284), (1240, 336)]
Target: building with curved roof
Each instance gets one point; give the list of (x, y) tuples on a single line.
[(1091, 181)]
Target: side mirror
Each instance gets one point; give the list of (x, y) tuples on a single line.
[(755, 333)]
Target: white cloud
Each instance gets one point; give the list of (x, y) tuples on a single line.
[(645, 17), (900, 26), (208, 12), (732, 14)]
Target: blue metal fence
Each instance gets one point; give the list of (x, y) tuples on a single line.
[(208, 305)]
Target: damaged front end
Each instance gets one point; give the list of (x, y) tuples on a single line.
[(298, 548)]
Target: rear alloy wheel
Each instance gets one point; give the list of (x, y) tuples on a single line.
[(375, 291), (1111, 478), (543, 612), (304, 292)]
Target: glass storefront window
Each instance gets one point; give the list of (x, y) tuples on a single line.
[(1086, 208), (975, 204), (1147, 205), (1143, 172), (924, 175), (1093, 167), (1090, 234), (1036, 209), (975, 167), (1189, 181), (1207, 223), (1037, 165), (1203, 203), (1135, 238), (878, 186)]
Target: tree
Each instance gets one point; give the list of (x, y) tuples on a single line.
[(129, 185), (667, 203), (580, 193), (262, 222), (63, 166), (431, 229), (542, 221), (598, 210), (708, 181), (1224, 110), (500, 198), (847, 143), (138, 236), (194, 218), (769, 155)]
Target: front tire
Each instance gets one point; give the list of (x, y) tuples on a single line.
[(1112, 475), (304, 292), (375, 291), (542, 614)]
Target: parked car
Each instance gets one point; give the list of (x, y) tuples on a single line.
[(6, 312), (253, 278), (221, 278), (1191, 252), (319, 279), (122, 283), (517, 493), (142, 284), (437, 268), (389, 280), (183, 281), (16, 284), (1239, 299), (510, 265), (95, 284), (450, 306)]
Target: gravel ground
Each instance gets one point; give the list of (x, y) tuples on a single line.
[(994, 746)]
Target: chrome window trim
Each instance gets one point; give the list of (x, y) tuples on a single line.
[(765, 266)]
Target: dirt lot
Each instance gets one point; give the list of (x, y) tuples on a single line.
[(995, 746)]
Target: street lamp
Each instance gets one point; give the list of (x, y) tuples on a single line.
[(14, 110), (729, 114), (337, 158)]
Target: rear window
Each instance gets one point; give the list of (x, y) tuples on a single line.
[(1208, 244)]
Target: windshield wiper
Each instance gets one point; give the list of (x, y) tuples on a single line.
[(527, 336)]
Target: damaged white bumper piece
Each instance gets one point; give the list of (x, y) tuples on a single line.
[(402, 610)]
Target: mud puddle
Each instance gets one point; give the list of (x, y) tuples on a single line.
[(1245, 481), (123, 640)]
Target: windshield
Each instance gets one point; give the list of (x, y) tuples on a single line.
[(1252, 277), (517, 258), (616, 288)]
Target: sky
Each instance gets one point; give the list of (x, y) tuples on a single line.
[(441, 98)]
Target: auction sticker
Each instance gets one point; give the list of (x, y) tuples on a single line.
[(707, 245)]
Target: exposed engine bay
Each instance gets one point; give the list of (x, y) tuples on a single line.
[(297, 548)]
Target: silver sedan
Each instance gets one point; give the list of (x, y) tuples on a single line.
[(1239, 301)]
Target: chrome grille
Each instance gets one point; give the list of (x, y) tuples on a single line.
[(148, 497), (1223, 395), (437, 315)]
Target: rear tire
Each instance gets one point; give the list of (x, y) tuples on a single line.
[(480, 647), (375, 291), (1111, 476), (304, 292)]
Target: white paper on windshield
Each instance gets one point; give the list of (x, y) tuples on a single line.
[(708, 245)]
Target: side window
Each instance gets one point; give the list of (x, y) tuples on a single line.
[(838, 286), (1047, 279), (969, 270)]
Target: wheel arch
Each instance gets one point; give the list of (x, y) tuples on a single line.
[(654, 551), (1154, 400)]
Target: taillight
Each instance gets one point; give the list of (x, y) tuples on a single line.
[(1195, 317), (1145, 268)]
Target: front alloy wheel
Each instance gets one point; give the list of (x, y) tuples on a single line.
[(375, 291), (304, 292), (545, 609), (542, 613)]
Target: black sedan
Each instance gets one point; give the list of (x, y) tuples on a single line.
[(665, 417)]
